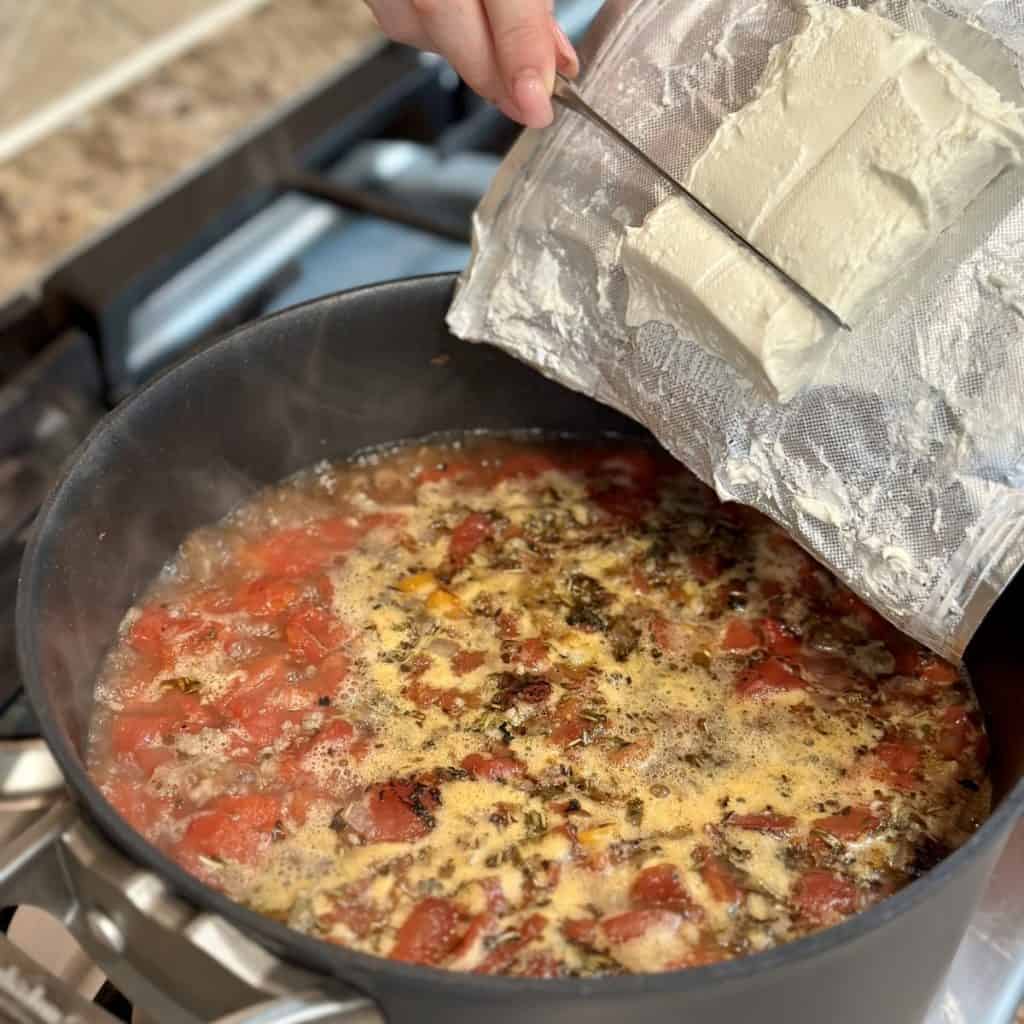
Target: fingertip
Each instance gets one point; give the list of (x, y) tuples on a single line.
[(533, 100), (568, 61)]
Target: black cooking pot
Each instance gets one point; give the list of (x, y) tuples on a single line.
[(323, 380)]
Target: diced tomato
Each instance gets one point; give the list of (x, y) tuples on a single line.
[(707, 567), (300, 801), (740, 635), (766, 821), (664, 633), (234, 828), (471, 950), (294, 552), (779, 638), (896, 762), (503, 955), (640, 581), (661, 886), (268, 596), (635, 753), (956, 734), (634, 924), (430, 932), (450, 700), (569, 726), (263, 677), (496, 768), (533, 653), (768, 677), (468, 536), (312, 634), (264, 728), (331, 675), (935, 670), (159, 635), (583, 931), (138, 731), (719, 878), (150, 758), (508, 625), (823, 897), (464, 662), (394, 812), (303, 550), (850, 824), (139, 806)]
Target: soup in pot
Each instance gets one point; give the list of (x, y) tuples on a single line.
[(530, 707)]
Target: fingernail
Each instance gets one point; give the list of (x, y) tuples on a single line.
[(533, 100), (568, 61)]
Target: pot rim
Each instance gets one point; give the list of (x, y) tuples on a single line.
[(351, 966)]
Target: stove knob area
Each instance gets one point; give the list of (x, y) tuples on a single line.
[(105, 931)]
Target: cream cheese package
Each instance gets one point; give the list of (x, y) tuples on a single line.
[(871, 150)]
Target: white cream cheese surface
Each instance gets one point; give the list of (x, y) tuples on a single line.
[(862, 143)]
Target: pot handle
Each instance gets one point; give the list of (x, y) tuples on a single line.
[(147, 940)]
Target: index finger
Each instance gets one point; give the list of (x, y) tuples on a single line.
[(524, 41)]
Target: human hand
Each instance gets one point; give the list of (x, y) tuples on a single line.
[(506, 50)]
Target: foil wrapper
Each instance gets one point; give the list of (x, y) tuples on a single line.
[(902, 467)]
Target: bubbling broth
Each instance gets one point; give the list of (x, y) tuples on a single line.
[(530, 707)]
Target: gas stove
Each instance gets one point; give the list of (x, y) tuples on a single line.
[(373, 175)]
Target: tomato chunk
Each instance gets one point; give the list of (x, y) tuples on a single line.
[(465, 662), (707, 567), (897, 762), (740, 635), (268, 596), (533, 653), (312, 634), (823, 897), (496, 768), (768, 677), (394, 812), (661, 886), (634, 924), (779, 638), (141, 808), (850, 824), (235, 828), (159, 635), (430, 932), (468, 536), (143, 726), (718, 876), (766, 821)]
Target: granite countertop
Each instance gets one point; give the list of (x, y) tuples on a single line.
[(77, 181)]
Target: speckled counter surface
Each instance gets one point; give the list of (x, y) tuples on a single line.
[(82, 178)]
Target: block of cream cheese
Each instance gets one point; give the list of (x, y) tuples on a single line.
[(863, 142)]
